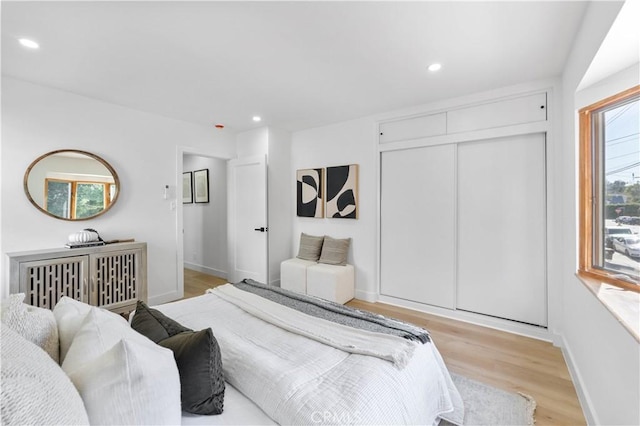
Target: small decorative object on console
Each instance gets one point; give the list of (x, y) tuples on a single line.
[(86, 238)]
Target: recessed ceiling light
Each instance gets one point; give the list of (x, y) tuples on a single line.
[(28, 43), (434, 67), (257, 118)]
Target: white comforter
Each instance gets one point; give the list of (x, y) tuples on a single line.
[(297, 380)]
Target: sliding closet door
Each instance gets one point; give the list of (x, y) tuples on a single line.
[(417, 225), (501, 228)]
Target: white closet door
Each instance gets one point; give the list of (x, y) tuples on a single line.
[(417, 215), (501, 228)]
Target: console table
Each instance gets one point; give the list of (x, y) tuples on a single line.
[(113, 276)]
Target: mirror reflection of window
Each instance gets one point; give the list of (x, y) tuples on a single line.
[(71, 184), (58, 196)]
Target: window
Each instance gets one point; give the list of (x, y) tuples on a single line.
[(71, 199), (610, 190)]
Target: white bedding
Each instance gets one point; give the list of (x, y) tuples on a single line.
[(296, 380), (349, 339)]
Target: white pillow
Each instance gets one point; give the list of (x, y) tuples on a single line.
[(69, 314), (98, 331), (37, 325), (35, 391), (122, 377)]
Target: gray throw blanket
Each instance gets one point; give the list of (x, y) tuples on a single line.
[(335, 312)]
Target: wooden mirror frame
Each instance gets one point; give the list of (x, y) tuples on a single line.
[(75, 151)]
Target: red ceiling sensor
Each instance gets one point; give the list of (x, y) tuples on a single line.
[(219, 126)]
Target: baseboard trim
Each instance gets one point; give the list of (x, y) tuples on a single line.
[(521, 329), (206, 270), (367, 296), (164, 298), (583, 396)]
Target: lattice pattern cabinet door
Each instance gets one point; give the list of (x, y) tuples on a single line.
[(116, 279), (44, 282)]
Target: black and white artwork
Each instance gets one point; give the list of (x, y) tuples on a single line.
[(310, 202), (201, 185), (342, 192), (187, 188)]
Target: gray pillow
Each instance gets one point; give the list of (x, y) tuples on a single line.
[(200, 366), (197, 355), (335, 251), (310, 247), (154, 324)]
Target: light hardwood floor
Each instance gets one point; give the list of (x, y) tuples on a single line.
[(504, 360)]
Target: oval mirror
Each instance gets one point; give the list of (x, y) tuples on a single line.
[(71, 185)]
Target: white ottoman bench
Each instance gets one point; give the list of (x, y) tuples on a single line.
[(293, 274), (331, 282)]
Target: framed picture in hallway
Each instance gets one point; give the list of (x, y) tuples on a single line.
[(342, 192), (201, 185), (187, 188), (310, 200)]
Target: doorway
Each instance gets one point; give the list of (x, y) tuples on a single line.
[(210, 236), (201, 227)]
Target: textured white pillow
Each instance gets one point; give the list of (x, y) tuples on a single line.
[(35, 391), (122, 377), (69, 314), (37, 325), (98, 331)]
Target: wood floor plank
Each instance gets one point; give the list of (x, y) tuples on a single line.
[(504, 360)]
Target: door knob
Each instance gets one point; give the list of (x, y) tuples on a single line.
[(261, 229)]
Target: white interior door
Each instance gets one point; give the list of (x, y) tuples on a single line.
[(247, 219), (502, 228)]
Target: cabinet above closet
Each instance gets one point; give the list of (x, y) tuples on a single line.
[(529, 108)]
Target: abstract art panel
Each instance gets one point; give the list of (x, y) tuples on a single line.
[(310, 202), (342, 191)]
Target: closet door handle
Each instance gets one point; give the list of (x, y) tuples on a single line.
[(261, 229)]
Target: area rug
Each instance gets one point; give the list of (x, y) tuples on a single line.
[(486, 405)]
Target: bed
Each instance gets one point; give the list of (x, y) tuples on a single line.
[(288, 367), (254, 354)]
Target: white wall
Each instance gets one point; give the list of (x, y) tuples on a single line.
[(141, 147), (339, 144), (280, 207), (603, 357), (205, 224), (252, 142)]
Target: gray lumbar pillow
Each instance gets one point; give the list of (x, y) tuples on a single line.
[(335, 251), (310, 247), (197, 355)]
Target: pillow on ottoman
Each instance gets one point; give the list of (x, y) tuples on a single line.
[(197, 355), (310, 247), (35, 391), (335, 251)]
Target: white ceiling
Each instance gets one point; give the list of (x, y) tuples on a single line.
[(297, 64)]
